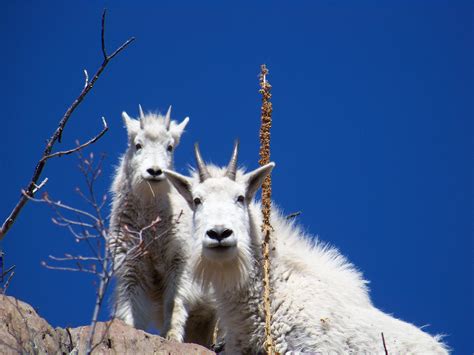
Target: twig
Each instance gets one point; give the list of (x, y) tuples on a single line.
[(79, 147), (86, 75), (57, 135), (102, 35), (8, 282), (69, 257), (78, 269), (293, 215), (11, 272), (37, 187), (72, 222), (104, 282), (59, 204), (266, 123), (384, 344), (11, 268)]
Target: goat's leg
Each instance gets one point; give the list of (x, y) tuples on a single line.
[(200, 326), (175, 315), (131, 302), (175, 312)]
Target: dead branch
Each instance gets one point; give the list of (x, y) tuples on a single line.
[(79, 147), (69, 257), (78, 269), (293, 215), (47, 200), (7, 283), (32, 187)]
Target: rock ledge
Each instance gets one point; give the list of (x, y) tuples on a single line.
[(22, 330)]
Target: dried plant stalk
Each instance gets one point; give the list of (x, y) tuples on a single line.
[(266, 123)]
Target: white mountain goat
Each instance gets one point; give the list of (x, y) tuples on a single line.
[(320, 302), (155, 286)]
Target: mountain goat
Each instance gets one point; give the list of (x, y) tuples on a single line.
[(155, 286), (320, 302)]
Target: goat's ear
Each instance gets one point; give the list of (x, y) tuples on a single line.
[(177, 130), (132, 125), (255, 179), (182, 184)]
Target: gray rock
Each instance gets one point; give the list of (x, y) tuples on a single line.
[(22, 330)]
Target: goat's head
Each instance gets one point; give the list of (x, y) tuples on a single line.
[(152, 140), (220, 201)]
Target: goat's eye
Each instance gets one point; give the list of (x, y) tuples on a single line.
[(170, 148), (241, 199), (197, 201), (138, 146)]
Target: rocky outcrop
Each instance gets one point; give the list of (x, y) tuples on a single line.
[(22, 330)]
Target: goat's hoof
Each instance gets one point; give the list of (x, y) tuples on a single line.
[(218, 347), (174, 336)]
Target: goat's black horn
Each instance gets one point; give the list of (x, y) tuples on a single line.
[(232, 166), (168, 119), (203, 173), (140, 109)]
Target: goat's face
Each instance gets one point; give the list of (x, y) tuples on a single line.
[(221, 218), (221, 207), (152, 140)]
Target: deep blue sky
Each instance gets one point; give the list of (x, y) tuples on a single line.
[(372, 129)]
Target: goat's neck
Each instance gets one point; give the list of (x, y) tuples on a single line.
[(155, 194), (244, 305), (152, 201)]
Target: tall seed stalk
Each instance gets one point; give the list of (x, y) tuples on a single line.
[(266, 123)]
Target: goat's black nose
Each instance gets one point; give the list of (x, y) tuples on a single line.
[(154, 172), (219, 233)]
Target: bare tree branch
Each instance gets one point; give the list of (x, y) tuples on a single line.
[(68, 257), (75, 269), (7, 283), (86, 77), (293, 215), (102, 36), (11, 268), (79, 147), (57, 135), (37, 187), (46, 199)]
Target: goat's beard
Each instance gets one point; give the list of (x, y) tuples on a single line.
[(223, 276)]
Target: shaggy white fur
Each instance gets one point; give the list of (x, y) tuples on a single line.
[(157, 286), (320, 302)]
